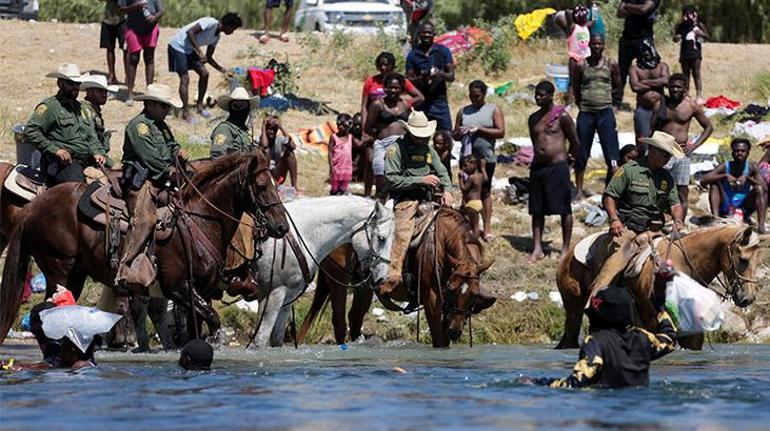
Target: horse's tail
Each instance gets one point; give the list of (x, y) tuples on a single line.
[(320, 295), (12, 284)]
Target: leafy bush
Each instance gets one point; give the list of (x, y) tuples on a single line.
[(760, 85)]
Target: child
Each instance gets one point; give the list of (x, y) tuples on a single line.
[(616, 354), (691, 33), (627, 154), (442, 143), (341, 155), (471, 178)]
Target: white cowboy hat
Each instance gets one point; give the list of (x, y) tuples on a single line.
[(419, 126), (70, 72), (96, 81), (160, 93), (238, 93), (764, 142), (666, 143)]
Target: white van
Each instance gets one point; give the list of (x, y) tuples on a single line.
[(358, 16)]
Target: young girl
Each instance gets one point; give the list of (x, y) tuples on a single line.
[(341, 155), (442, 143), (690, 32), (471, 178)]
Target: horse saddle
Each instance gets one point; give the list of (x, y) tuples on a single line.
[(25, 182), (99, 199), (423, 222), (593, 250)]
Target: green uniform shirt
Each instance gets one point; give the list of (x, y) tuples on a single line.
[(101, 133), (227, 138), (642, 195), (151, 144), (58, 124), (406, 164)]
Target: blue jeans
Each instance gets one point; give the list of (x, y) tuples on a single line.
[(602, 122)]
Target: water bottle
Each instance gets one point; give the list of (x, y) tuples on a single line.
[(594, 11), (146, 11)]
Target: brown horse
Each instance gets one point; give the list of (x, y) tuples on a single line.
[(10, 207), (68, 247), (729, 249)]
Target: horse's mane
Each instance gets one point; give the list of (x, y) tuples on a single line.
[(464, 227), (214, 171)]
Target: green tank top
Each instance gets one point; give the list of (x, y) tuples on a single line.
[(596, 87)]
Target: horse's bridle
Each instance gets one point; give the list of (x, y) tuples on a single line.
[(735, 280), (449, 304), (372, 258)]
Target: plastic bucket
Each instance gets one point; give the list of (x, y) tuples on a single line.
[(560, 76)]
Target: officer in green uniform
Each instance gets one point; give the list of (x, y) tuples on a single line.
[(63, 131), (232, 136), (97, 91), (149, 151), (413, 170), (636, 199)]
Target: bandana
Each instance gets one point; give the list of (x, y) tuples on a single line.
[(647, 50)]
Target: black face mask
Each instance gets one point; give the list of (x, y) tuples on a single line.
[(239, 117), (647, 50)]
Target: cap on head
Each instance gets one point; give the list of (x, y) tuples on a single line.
[(196, 355), (611, 308)]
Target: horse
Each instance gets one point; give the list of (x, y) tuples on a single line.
[(729, 249), (11, 206), (321, 226), (68, 247)]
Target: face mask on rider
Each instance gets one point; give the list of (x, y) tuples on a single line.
[(238, 117)]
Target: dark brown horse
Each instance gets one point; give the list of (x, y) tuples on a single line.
[(69, 247), (10, 207), (729, 249)]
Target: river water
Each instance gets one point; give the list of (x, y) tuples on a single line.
[(326, 388)]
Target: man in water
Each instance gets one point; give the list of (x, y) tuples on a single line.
[(196, 355), (550, 190), (738, 185), (414, 172), (673, 115), (616, 354), (648, 78)]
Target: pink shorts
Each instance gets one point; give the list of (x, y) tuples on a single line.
[(137, 42)]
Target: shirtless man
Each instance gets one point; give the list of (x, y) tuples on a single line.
[(550, 187), (648, 77), (673, 115)]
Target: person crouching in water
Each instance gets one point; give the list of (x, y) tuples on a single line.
[(616, 354)]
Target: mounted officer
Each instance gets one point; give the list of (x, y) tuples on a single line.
[(63, 131), (232, 135), (149, 152), (414, 172), (97, 92), (636, 199)]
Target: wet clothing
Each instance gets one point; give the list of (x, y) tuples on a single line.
[(228, 138), (550, 189), (641, 195), (149, 148), (616, 359), (101, 132), (481, 146), (58, 123)]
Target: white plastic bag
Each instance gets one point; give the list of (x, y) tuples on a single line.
[(693, 308), (77, 323)]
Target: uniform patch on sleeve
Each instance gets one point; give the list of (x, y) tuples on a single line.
[(391, 151), (220, 139), (429, 158), (664, 185), (142, 129), (41, 109)]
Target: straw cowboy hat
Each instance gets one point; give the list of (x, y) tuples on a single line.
[(160, 93), (96, 81), (69, 72), (764, 142), (238, 93), (419, 126), (666, 143)]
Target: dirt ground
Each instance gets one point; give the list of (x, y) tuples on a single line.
[(32, 49)]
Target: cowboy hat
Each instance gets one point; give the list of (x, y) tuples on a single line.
[(160, 93), (238, 93), (666, 143), (419, 126), (764, 142), (96, 81), (69, 72)]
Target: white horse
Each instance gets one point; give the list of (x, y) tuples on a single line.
[(320, 226)]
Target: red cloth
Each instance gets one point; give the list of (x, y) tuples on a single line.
[(64, 298), (374, 90), (463, 40), (722, 101), (261, 80)]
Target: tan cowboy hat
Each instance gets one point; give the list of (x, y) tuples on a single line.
[(764, 142), (419, 126), (238, 93), (666, 143), (96, 81), (70, 72), (160, 93)]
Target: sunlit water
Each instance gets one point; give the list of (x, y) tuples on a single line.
[(323, 387)]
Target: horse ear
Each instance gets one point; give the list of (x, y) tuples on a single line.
[(745, 236), (486, 263)]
